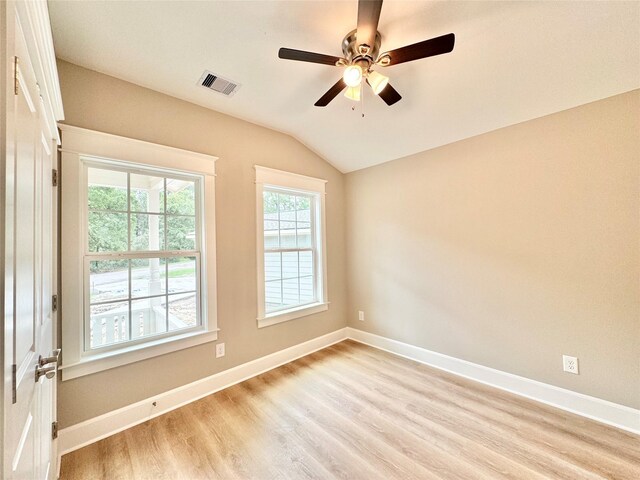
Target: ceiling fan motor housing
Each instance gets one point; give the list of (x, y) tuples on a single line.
[(355, 55)]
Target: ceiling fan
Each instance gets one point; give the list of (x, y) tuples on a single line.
[(361, 49)]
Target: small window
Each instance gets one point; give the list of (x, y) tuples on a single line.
[(142, 266), (291, 275)]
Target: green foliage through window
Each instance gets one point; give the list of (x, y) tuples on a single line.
[(110, 228)]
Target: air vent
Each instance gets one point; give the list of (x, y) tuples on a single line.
[(218, 84)]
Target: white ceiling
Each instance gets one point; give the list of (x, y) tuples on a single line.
[(513, 61)]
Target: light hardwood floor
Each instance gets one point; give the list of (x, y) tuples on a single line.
[(353, 412)]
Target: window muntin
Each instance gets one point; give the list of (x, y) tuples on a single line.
[(290, 249), (142, 262)]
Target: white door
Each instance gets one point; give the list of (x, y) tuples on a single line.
[(29, 269)]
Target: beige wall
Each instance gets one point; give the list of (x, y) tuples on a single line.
[(508, 249), (96, 101), (511, 248)]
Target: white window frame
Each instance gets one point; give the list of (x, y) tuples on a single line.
[(82, 148), (292, 183)]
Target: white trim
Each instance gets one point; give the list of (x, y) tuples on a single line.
[(135, 353), (80, 144), (620, 416), (35, 15), (284, 179), (291, 314), (94, 429), (315, 187), (105, 145)]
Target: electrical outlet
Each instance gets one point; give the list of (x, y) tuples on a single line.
[(570, 364), (220, 350), (361, 315)]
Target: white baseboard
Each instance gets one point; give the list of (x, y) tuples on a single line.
[(94, 429), (603, 411), (97, 428)]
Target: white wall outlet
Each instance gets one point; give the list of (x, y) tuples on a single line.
[(570, 364), (220, 350), (361, 315)]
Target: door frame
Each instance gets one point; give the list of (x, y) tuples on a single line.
[(34, 19)]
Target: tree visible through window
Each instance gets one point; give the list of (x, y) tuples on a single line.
[(143, 261)]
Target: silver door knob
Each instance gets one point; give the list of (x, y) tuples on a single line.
[(48, 372), (42, 361)]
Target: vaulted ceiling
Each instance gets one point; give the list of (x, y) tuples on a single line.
[(513, 61)]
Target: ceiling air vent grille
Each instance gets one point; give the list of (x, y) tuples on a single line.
[(218, 84)]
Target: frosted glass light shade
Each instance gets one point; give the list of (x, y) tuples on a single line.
[(353, 93), (377, 82), (352, 75)]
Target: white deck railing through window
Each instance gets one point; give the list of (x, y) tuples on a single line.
[(113, 326)]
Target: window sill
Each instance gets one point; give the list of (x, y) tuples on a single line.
[(291, 314), (135, 353)]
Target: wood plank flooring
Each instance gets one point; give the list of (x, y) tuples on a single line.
[(354, 412)]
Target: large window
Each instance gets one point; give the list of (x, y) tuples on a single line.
[(291, 277), (142, 268), (138, 258)]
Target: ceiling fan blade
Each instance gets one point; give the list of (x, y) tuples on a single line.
[(368, 17), (427, 48), (389, 94), (331, 94), (302, 56)]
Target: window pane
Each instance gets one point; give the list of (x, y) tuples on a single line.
[(148, 277), (288, 234), (273, 295), (147, 193), (306, 264), (288, 225), (271, 232), (107, 189), (303, 207), (181, 198), (287, 206), (181, 233), (287, 209), (108, 280), (290, 294), (270, 202), (140, 212), (289, 264), (306, 289), (271, 225), (304, 234), (182, 311), (272, 266), (303, 221), (108, 232), (182, 274), (147, 232), (148, 317), (109, 324)]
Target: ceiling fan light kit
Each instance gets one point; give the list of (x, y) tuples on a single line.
[(352, 75), (353, 93), (377, 81), (361, 50)]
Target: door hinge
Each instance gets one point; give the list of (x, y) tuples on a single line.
[(14, 386), (54, 430), (16, 60), (54, 177), (54, 303)]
